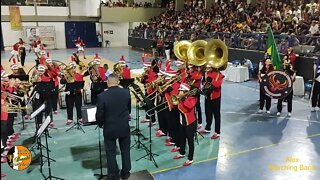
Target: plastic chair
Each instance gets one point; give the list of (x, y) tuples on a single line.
[(235, 62), (308, 87)]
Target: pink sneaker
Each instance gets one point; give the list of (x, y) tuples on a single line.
[(51, 124), (55, 112), (204, 132), (3, 160), (17, 134), (215, 136), (187, 163), (169, 144), (175, 149), (69, 122), (178, 156), (3, 175), (80, 121), (168, 139), (145, 121), (157, 129), (159, 133), (199, 126), (26, 117)]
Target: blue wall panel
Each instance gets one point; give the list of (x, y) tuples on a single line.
[(86, 31)]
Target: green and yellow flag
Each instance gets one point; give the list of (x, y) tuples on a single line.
[(273, 51)]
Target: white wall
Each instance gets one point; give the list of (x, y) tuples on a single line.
[(135, 24), (119, 38), (84, 7), (10, 37)]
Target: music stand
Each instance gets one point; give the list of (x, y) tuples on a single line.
[(137, 131), (44, 129), (21, 77), (126, 82), (99, 86), (72, 87)]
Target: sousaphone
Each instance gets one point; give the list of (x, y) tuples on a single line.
[(216, 54)]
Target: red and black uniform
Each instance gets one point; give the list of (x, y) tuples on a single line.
[(149, 78), (6, 121), (74, 98), (22, 103), (54, 73), (292, 57), (188, 125), (96, 87), (183, 76), (15, 47), (126, 73), (172, 114), (213, 99), (21, 42), (264, 99), (196, 76)]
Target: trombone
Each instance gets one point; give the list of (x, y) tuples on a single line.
[(16, 108), (11, 96)]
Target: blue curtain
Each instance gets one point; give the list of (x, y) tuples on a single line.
[(85, 30)]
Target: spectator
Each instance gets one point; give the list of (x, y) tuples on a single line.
[(247, 63), (99, 36), (160, 46)]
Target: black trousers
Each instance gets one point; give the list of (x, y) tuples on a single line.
[(54, 97), (10, 123), (74, 100), (94, 95), (289, 102), (187, 133), (160, 52), (198, 110), (112, 165), (173, 123), (264, 99), (4, 132), (23, 59), (162, 119), (315, 99), (212, 108), (38, 102), (153, 117)]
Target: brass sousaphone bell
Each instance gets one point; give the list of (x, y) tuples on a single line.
[(200, 52)]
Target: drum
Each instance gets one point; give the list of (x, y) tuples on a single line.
[(89, 114), (62, 100), (86, 96), (277, 84)]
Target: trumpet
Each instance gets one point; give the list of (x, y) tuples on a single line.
[(68, 74), (16, 108), (94, 74), (12, 96), (175, 99)]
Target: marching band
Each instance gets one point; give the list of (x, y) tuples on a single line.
[(175, 94)]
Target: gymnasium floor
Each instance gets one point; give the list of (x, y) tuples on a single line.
[(250, 147)]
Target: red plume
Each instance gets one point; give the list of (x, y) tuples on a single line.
[(14, 60), (122, 57), (48, 54), (168, 66), (42, 48), (72, 58), (142, 57), (97, 56)]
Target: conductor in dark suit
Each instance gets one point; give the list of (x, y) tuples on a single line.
[(113, 109)]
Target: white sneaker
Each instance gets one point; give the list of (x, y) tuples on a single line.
[(317, 109), (260, 111), (313, 109), (268, 112), (278, 113), (289, 114)]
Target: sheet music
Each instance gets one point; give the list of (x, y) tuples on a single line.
[(92, 114)]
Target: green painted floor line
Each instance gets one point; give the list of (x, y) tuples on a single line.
[(239, 153)]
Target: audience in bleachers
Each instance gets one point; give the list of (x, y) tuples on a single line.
[(27, 3), (286, 17), (119, 3)]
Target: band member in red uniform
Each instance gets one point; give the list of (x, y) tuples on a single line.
[(182, 70), (80, 45), (97, 76), (196, 77), (149, 77), (73, 98), (188, 123), (22, 51), (287, 68), (126, 74), (212, 88), (292, 57), (172, 115), (264, 99), (15, 52), (42, 58), (54, 71)]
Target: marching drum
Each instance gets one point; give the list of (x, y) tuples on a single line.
[(89, 114), (86, 96)]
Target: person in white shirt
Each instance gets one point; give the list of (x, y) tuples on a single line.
[(247, 63), (313, 28)]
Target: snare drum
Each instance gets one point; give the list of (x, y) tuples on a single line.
[(89, 114)]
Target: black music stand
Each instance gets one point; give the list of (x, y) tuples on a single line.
[(21, 77), (126, 82), (72, 87), (137, 131), (44, 128), (101, 176), (99, 86)]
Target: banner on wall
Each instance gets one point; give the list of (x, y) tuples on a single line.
[(47, 35), (15, 18)]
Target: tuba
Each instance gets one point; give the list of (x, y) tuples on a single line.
[(94, 73), (68, 74), (118, 69), (216, 53)]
